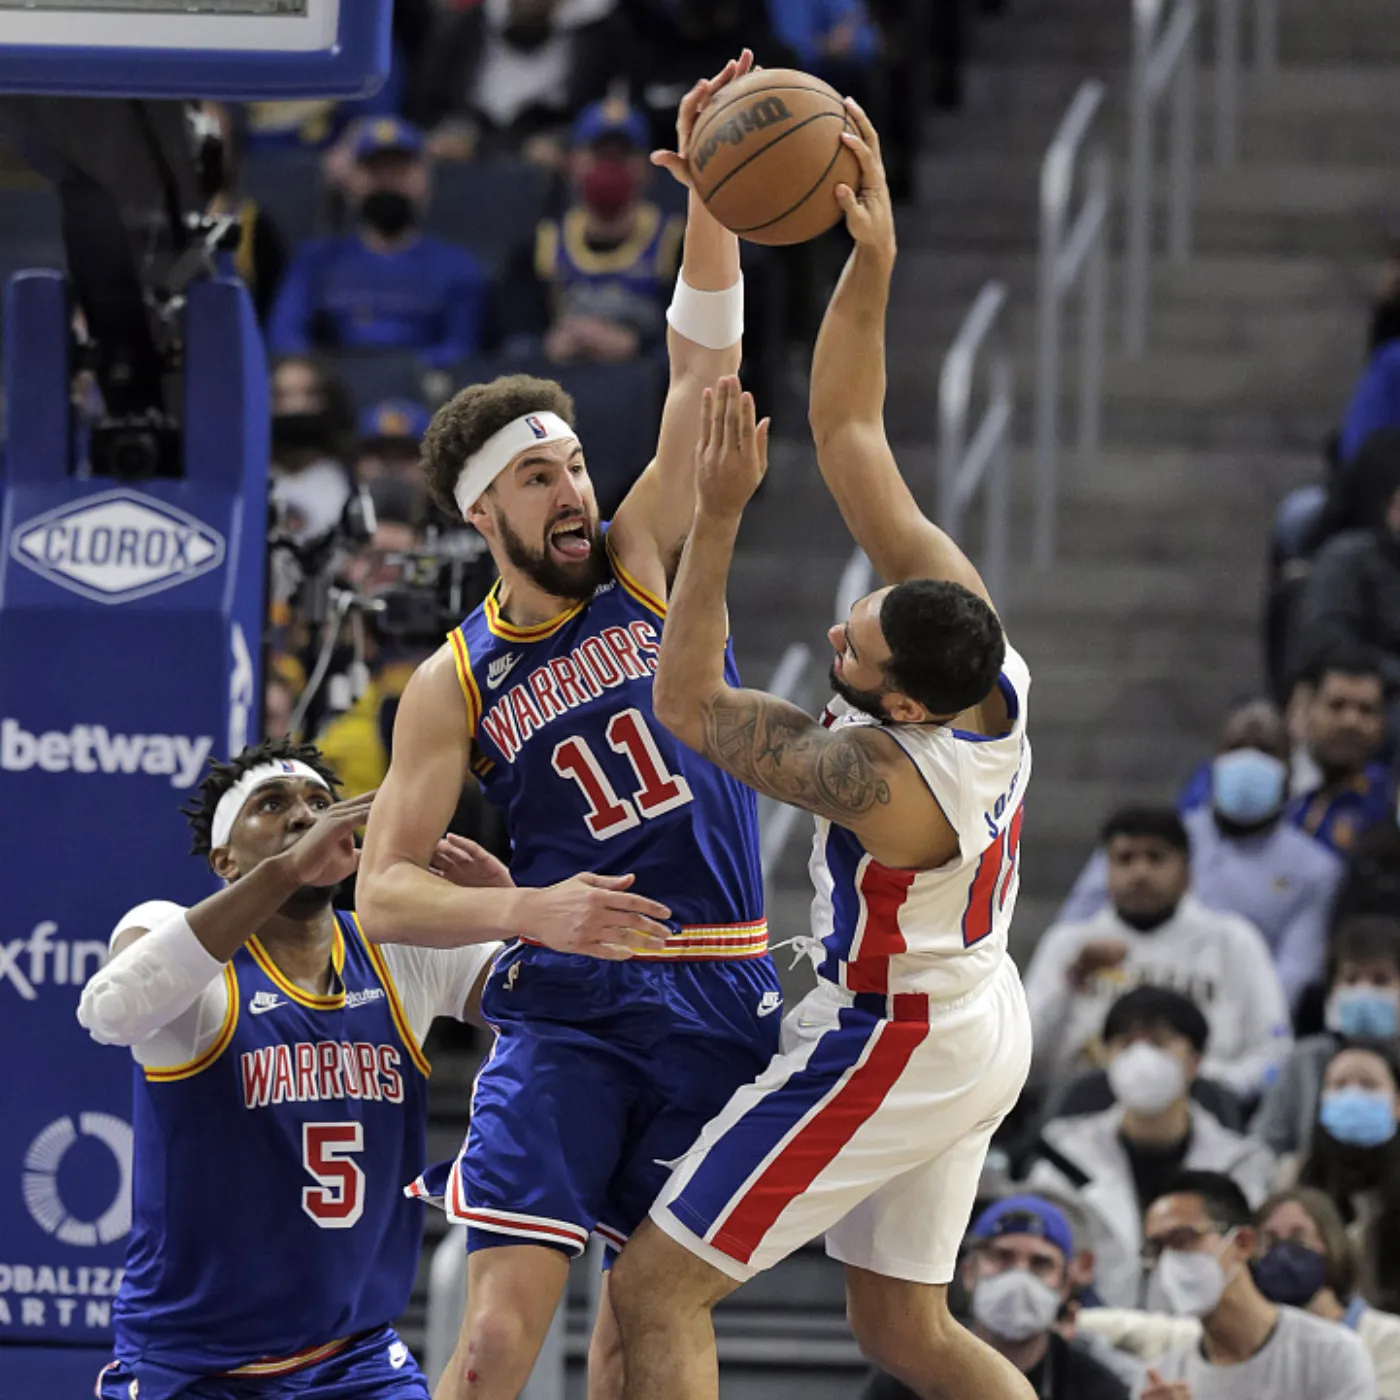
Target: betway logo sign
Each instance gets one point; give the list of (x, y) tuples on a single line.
[(117, 546), (89, 748)]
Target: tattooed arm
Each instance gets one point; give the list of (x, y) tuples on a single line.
[(845, 775)]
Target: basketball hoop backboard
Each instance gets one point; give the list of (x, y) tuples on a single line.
[(239, 50)]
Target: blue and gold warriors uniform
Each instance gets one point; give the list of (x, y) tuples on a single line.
[(603, 1071), (271, 1235)]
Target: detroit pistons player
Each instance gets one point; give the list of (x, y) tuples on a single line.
[(873, 1123)]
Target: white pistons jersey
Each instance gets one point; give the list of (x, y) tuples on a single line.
[(937, 932)]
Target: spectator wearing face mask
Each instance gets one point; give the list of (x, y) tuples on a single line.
[(1155, 932), (1304, 1259), (596, 283), (312, 419), (1363, 1000), (1016, 1275), (391, 434), (1354, 1157), (1118, 1161), (1349, 791), (387, 285), (1245, 859), (1199, 1240)]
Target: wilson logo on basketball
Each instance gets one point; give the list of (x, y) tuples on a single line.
[(758, 116)]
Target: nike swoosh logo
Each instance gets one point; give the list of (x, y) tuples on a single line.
[(495, 676), (259, 1008)]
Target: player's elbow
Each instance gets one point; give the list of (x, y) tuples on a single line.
[(677, 707), (374, 902)]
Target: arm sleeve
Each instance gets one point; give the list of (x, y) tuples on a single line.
[(1256, 1003), (433, 982), (289, 320), (1050, 996), (186, 1036)]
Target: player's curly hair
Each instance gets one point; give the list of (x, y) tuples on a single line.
[(476, 413), (222, 776)]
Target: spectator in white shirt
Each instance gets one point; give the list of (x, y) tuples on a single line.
[(1117, 1162), (1245, 858), (1155, 932)]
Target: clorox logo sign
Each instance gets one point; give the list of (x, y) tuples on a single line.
[(117, 546)]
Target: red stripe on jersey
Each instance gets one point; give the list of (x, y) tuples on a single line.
[(879, 938), (816, 1144)]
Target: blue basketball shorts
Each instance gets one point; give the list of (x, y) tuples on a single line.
[(603, 1075), (374, 1366)]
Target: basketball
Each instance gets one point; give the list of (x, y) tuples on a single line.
[(768, 155)]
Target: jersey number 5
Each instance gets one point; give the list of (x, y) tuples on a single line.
[(995, 872), (658, 790), (326, 1149)]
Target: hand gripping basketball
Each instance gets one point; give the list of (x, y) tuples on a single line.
[(868, 210), (693, 105)]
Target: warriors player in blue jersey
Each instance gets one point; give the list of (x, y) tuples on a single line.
[(604, 1068), (280, 1105)]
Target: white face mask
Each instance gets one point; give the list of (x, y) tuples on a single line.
[(1015, 1305), (1188, 1284), (1145, 1078)]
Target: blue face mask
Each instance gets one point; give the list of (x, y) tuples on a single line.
[(1358, 1117), (1353, 1011), (1248, 785), (1290, 1274)]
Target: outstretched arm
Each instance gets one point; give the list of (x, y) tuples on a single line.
[(773, 746), (847, 407), (651, 524)]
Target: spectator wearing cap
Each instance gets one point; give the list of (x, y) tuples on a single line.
[(1117, 1161), (596, 282), (1303, 1259), (387, 285), (1245, 858), (1157, 933), (391, 434), (1017, 1277), (1343, 707), (1363, 999), (1200, 1241)]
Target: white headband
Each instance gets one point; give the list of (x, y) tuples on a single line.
[(232, 802), (496, 453)]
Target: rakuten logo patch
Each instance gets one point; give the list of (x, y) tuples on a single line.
[(89, 748)]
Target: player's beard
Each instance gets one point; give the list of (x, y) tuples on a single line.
[(869, 702), (577, 582)]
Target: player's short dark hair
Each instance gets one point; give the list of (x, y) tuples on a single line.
[(222, 776), (474, 414), (946, 644), (1225, 1203), (1151, 1008), (1161, 822)]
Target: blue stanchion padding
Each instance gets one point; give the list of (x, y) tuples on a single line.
[(130, 618), (200, 60)]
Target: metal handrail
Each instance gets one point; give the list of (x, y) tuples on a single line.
[(965, 465), (777, 820), (1164, 61), (1069, 253), (1229, 24)]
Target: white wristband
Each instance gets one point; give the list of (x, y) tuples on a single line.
[(712, 319), (147, 985)]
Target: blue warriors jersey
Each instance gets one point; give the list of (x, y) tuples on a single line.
[(269, 1217), (567, 748)]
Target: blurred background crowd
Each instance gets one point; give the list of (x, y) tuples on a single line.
[(1217, 1000)]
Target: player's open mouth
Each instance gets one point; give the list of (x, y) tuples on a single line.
[(570, 540)]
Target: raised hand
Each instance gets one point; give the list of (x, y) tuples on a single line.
[(594, 914), (693, 105), (869, 211), (732, 454), (327, 854), (466, 863)]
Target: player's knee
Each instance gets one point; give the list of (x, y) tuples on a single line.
[(494, 1337), (656, 1280), (898, 1339)]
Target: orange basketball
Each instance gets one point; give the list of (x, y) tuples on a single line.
[(768, 155)]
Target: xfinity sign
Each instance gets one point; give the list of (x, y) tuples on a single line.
[(117, 546)]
